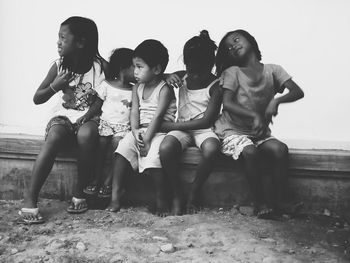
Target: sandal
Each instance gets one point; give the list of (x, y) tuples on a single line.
[(30, 216), (91, 189), (77, 206), (105, 191)]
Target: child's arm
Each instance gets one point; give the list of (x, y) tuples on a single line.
[(94, 110), (135, 115), (165, 97), (208, 118), (52, 83), (231, 107), (175, 79), (294, 93)]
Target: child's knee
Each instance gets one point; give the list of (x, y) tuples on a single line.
[(169, 146), (210, 148), (250, 152), (279, 151)]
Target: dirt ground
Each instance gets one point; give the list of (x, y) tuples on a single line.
[(136, 235)]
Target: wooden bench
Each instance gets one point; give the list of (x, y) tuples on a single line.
[(320, 178)]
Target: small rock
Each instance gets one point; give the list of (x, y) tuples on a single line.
[(81, 246), (160, 238), (190, 245), (58, 222), (326, 212), (167, 248), (271, 260)]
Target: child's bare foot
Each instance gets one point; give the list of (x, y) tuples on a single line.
[(162, 209), (177, 207), (114, 206), (263, 212), (192, 206)]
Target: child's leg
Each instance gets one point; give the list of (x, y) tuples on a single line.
[(102, 148), (111, 147), (86, 139), (170, 151), (250, 156), (210, 150), (277, 154), (159, 183), (56, 137), (121, 167)]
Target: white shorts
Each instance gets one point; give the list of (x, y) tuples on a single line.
[(128, 148), (233, 145), (196, 137)]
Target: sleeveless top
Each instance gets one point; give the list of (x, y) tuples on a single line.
[(193, 103), (148, 107)]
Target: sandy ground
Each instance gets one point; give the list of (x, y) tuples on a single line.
[(136, 235)]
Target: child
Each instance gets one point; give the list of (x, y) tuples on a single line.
[(115, 94), (249, 103), (199, 105), (74, 78), (152, 102)]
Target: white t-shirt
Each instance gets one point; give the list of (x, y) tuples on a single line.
[(77, 98), (116, 103)]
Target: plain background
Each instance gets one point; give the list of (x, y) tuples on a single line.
[(310, 39)]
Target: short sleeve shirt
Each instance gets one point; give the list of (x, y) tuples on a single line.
[(116, 103), (250, 94)]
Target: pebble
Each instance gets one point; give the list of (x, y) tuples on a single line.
[(326, 212), (81, 246), (167, 248), (160, 238)]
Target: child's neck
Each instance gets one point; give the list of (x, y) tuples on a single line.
[(153, 82), (251, 62), (199, 81), (120, 82), (79, 64)]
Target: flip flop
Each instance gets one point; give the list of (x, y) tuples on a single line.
[(30, 216), (72, 208), (105, 191), (91, 189)]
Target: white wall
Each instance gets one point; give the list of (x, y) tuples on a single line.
[(310, 39)]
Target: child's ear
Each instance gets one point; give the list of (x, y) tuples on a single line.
[(81, 42), (157, 69)]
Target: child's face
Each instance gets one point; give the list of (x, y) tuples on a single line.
[(129, 74), (142, 72), (66, 43), (237, 46)]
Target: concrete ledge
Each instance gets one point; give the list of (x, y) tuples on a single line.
[(320, 178)]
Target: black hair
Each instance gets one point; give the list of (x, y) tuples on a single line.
[(153, 52), (120, 59), (84, 29), (223, 61), (199, 51)]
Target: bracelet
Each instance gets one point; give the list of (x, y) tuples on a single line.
[(52, 88)]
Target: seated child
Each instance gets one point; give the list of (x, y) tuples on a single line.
[(199, 105), (249, 103), (114, 100), (152, 103)]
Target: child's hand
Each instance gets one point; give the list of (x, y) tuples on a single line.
[(81, 120), (271, 110), (62, 79), (144, 150), (258, 125), (138, 135), (174, 81)]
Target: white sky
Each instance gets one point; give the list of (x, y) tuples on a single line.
[(310, 39)]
